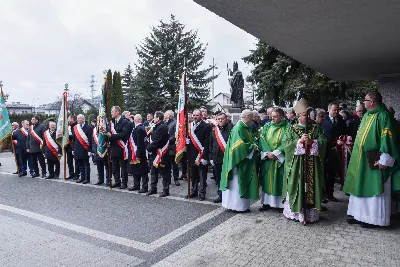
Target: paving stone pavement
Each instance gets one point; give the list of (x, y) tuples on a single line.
[(253, 239)]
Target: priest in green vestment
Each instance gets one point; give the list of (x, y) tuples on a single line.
[(273, 157), (297, 143), (239, 182), (371, 177)]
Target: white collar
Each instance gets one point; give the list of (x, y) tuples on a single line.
[(117, 119)]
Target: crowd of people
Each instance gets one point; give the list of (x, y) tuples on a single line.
[(295, 158)]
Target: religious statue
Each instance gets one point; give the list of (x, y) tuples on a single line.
[(237, 85)]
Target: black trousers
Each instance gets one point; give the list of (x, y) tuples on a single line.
[(165, 174), (175, 168), (38, 157), (198, 174), (101, 166), (217, 175), (84, 168), (184, 164), (51, 163), (120, 165), (144, 178)]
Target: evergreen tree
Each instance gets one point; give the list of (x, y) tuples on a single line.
[(279, 78), (128, 88), (109, 96), (160, 68), (118, 95)]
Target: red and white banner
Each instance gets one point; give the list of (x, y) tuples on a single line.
[(24, 132), (82, 138), (132, 145), (180, 132), (120, 142), (51, 144), (160, 153), (220, 138), (344, 145), (196, 142), (37, 137), (95, 137)]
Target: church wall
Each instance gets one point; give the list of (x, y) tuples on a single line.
[(389, 87)]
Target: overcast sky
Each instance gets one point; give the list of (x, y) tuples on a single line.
[(47, 43)]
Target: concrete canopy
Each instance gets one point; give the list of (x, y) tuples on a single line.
[(343, 39)]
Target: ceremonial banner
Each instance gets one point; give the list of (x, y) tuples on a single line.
[(62, 133), (5, 125), (102, 121), (180, 132)]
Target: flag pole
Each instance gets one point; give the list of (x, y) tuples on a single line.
[(186, 127), (108, 148), (65, 96)]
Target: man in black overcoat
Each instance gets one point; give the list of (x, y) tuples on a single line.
[(82, 148), (34, 144)]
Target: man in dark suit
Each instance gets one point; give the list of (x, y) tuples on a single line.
[(198, 154), (72, 172), (24, 161), (34, 144), (82, 147), (52, 151), (217, 148), (334, 126), (158, 148), (118, 133), (171, 124), (14, 129), (137, 156)]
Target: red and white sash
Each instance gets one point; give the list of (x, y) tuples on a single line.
[(160, 153), (51, 144), (37, 137), (120, 142), (24, 132), (132, 145), (82, 138), (344, 145), (196, 142), (220, 138), (95, 137)]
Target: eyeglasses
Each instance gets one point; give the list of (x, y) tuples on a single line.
[(365, 100)]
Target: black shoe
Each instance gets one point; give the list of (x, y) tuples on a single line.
[(99, 183), (115, 185), (15, 172), (80, 181), (265, 208), (323, 208), (56, 176), (217, 200), (151, 193), (280, 210), (367, 225), (44, 175), (70, 177), (123, 186), (86, 182), (49, 177), (333, 199), (202, 197), (353, 221), (241, 211), (143, 190), (35, 175), (133, 188), (182, 177), (75, 178), (164, 194), (192, 195), (22, 174), (177, 183)]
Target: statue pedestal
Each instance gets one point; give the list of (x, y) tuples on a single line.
[(235, 113), (235, 110)]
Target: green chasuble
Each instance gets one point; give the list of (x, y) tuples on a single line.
[(377, 131), (240, 144), (292, 182), (271, 172)]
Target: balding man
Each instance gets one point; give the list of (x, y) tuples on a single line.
[(14, 128), (82, 147), (52, 151), (137, 156)]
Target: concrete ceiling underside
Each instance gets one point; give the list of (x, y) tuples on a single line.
[(345, 40)]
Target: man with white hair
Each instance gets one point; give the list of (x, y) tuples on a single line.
[(239, 183), (82, 147), (126, 114), (52, 151), (137, 156)]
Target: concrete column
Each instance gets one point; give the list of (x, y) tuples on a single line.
[(389, 87)]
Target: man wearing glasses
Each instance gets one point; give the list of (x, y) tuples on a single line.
[(375, 158)]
